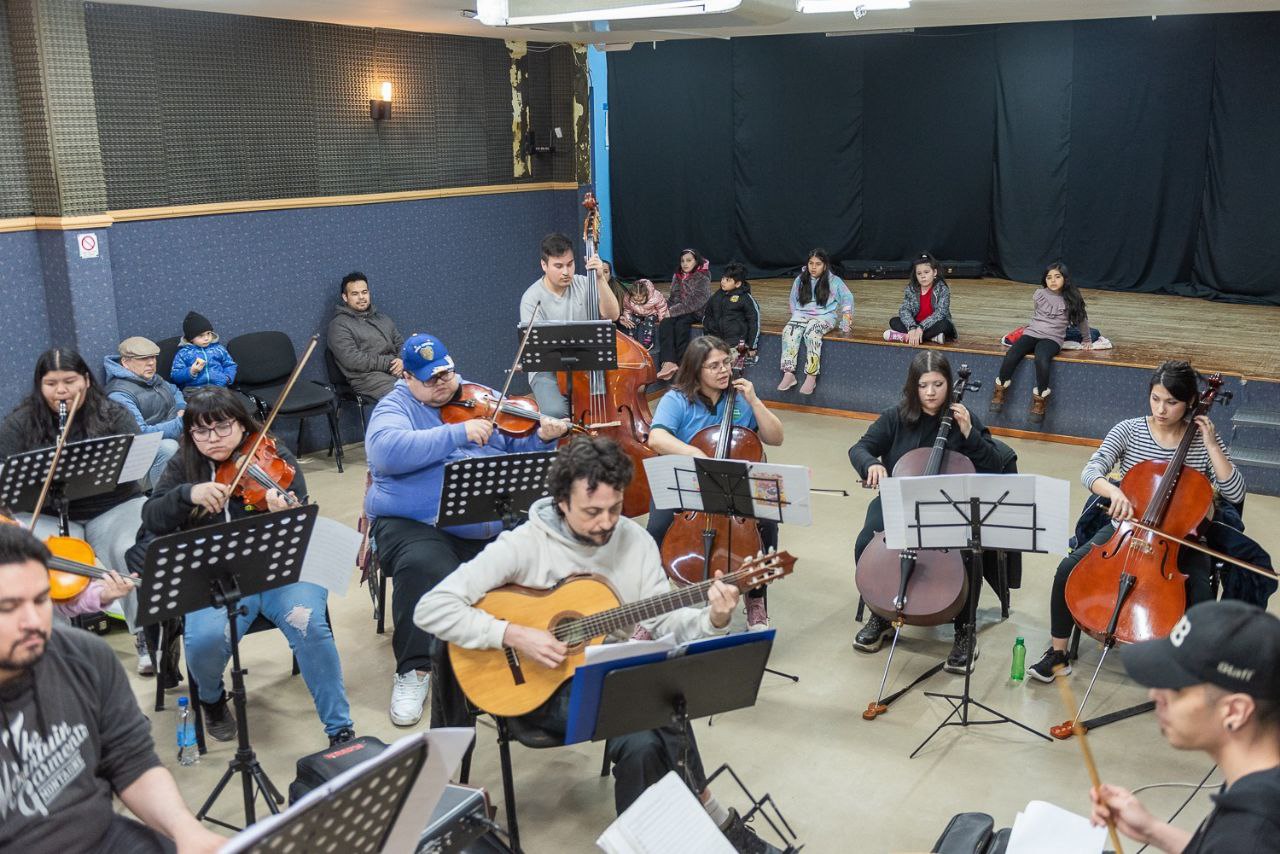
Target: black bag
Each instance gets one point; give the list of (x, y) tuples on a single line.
[(966, 833), (320, 768)]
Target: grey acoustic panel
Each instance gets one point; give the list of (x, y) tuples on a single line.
[(15, 185), (348, 158), (549, 82)]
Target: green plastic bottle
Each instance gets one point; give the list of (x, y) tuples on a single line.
[(1019, 668)]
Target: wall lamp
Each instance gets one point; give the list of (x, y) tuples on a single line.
[(380, 101)]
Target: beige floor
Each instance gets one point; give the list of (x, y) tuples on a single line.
[(845, 784)]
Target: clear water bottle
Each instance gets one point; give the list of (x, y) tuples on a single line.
[(1019, 668), (188, 753)]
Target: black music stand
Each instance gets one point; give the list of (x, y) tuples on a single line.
[(86, 468), (493, 489), (725, 488), (572, 346), (974, 514), (217, 566), (711, 677)]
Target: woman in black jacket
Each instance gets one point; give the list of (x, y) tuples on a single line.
[(913, 423), (213, 427)]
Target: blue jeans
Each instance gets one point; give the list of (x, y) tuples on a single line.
[(298, 610)]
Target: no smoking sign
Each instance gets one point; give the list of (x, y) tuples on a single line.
[(88, 245)]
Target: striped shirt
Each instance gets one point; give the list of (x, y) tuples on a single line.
[(1130, 442)]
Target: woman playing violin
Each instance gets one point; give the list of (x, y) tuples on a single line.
[(914, 423), (1173, 396), (697, 400), (214, 427), (109, 521)]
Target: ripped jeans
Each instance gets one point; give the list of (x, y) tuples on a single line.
[(298, 610)]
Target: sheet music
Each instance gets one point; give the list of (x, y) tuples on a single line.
[(142, 453), (331, 555), (1032, 514), (673, 483), (629, 649), (1043, 828), (445, 749), (667, 817)]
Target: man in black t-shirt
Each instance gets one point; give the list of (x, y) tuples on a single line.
[(1216, 685), (73, 733)]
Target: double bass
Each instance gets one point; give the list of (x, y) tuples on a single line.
[(696, 542), (910, 587), (618, 395)]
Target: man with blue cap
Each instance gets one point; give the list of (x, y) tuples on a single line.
[(1215, 681), (407, 445)]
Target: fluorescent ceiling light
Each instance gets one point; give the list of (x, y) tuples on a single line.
[(494, 12), (858, 7)]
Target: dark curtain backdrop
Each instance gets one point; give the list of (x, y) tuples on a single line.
[(1143, 153)]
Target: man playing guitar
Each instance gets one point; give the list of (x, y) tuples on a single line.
[(580, 529)]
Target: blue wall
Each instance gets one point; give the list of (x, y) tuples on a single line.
[(453, 266), (24, 317)]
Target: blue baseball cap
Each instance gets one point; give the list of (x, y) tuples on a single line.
[(424, 356)]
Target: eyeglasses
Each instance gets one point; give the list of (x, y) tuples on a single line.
[(717, 367), (221, 429), (439, 379)]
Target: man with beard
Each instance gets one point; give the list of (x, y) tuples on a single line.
[(579, 528), (364, 341), (73, 733)]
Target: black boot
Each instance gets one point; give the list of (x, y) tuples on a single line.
[(958, 660), (218, 720), (871, 637)]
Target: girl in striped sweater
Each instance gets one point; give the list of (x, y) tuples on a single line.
[(1174, 394)]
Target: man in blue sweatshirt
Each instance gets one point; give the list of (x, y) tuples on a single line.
[(407, 445)]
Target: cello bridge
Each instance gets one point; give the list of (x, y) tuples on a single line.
[(1141, 546)]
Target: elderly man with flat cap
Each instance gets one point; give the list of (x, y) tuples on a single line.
[(1215, 681), (154, 402)]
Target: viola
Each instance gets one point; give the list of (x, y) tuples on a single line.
[(515, 416), (616, 396), (72, 565), (698, 541), (266, 470), (1130, 588)]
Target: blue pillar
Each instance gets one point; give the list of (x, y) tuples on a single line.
[(598, 68), (80, 293)]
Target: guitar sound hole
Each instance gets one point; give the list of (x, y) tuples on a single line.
[(568, 628)]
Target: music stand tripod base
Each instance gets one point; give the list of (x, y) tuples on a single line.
[(218, 566)]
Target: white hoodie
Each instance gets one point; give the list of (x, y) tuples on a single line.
[(539, 554)]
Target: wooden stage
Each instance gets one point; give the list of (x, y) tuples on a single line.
[(1146, 329)]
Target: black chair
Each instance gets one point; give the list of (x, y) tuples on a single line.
[(342, 389), (164, 361), (265, 360)]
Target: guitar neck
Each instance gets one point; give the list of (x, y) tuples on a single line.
[(625, 616)]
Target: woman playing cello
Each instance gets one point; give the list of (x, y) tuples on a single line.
[(1174, 395), (914, 423), (696, 400)]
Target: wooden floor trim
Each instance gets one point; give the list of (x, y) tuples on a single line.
[(1008, 432)]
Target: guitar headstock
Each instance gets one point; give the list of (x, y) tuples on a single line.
[(762, 569)]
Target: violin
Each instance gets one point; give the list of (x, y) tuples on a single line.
[(697, 540), (1130, 588), (71, 566), (266, 470), (614, 402), (513, 415)]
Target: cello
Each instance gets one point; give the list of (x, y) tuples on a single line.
[(696, 541), (910, 587), (618, 395)]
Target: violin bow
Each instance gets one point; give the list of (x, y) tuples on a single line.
[(247, 459), (57, 455), (1069, 700), (515, 364), (1214, 553)]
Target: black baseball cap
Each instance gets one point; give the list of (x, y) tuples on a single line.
[(1231, 644)]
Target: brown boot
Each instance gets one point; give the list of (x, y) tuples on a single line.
[(997, 395), (1039, 402)]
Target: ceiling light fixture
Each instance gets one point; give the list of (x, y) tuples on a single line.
[(495, 13), (859, 8)]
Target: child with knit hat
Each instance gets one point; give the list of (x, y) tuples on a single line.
[(201, 360)]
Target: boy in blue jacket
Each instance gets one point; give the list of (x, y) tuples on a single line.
[(201, 360)]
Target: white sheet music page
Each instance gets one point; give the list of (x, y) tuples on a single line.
[(330, 560), (666, 818), (1043, 828), (142, 453)]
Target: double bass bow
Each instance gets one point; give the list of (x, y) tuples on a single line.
[(697, 541), (910, 587), (617, 395)]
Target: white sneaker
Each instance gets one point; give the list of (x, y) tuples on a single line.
[(408, 696), (145, 667)]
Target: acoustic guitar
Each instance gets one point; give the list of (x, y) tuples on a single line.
[(580, 611)]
